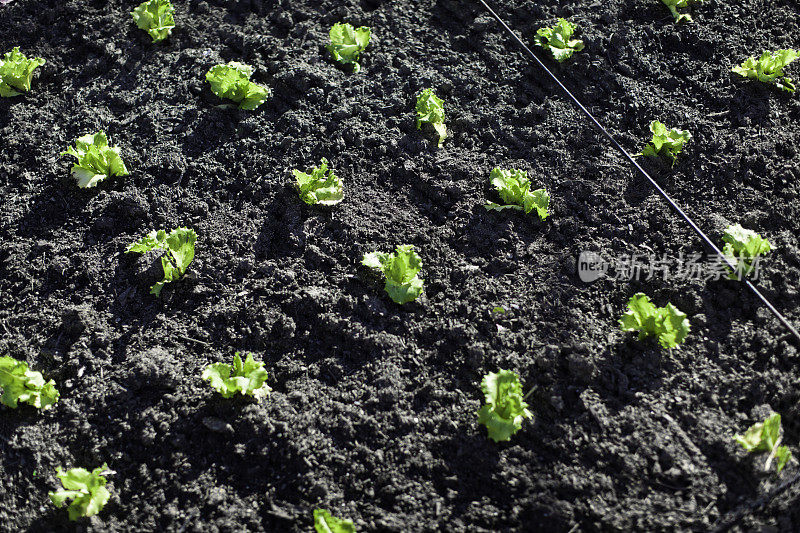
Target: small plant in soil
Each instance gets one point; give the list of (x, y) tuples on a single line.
[(248, 378), (347, 43), (16, 72), (514, 189), (674, 5), (666, 142), (765, 437), (743, 247), (232, 81), (558, 40), (96, 160), (430, 110), (20, 384), (324, 522), (321, 187), (87, 490), (505, 407), (401, 269), (669, 325), (769, 68), (156, 17), (179, 252)]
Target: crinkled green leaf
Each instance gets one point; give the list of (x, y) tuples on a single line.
[(666, 142), (19, 384), (674, 5), (324, 522), (401, 269), (513, 186), (319, 188), (156, 17), (763, 437), (179, 245), (769, 68), (505, 408), (559, 41), (232, 81), (96, 160), (16, 72), (347, 43), (669, 325), (86, 490), (247, 378), (743, 247), (430, 110)]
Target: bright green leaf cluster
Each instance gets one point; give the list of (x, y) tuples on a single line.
[(156, 17), (674, 5), (769, 68), (666, 142), (401, 269), (765, 437), (16, 72), (347, 43), (232, 81), (505, 406), (514, 188), (430, 110), (96, 160), (317, 188), (179, 245), (86, 490), (20, 384), (248, 378), (559, 41), (324, 522), (743, 247), (667, 323)]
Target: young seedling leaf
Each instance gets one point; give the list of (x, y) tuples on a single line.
[(247, 378), (401, 269), (669, 325), (96, 160), (347, 43), (86, 490), (674, 5), (16, 72), (430, 110), (765, 437), (558, 40), (666, 142), (514, 188), (156, 17), (324, 522), (319, 188), (179, 248), (769, 68), (743, 247), (232, 81), (505, 408), (20, 384)]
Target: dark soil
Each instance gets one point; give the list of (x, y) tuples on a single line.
[(373, 413)]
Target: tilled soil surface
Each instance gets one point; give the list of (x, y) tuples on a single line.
[(373, 413)]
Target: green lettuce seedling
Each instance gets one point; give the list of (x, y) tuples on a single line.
[(16, 72), (514, 188), (156, 17), (87, 490), (96, 160), (505, 407), (769, 68), (20, 384), (232, 81), (666, 142), (430, 110), (179, 245), (669, 325), (347, 43), (325, 523), (743, 247), (247, 378), (317, 188), (674, 5), (765, 437), (559, 41), (401, 269)]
